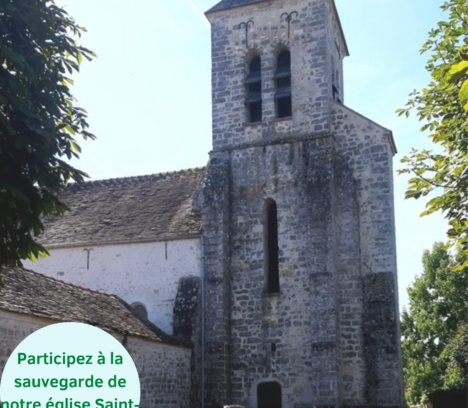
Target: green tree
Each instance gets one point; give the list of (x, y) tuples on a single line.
[(442, 107), (38, 120), (458, 354), (434, 328)]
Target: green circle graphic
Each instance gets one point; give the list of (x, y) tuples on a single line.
[(70, 365)]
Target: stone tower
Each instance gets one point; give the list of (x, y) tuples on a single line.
[(300, 280)]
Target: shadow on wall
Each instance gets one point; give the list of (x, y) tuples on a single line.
[(186, 307)]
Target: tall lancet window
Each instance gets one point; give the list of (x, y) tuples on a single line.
[(335, 81), (253, 85), (283, 85), (271, 247)]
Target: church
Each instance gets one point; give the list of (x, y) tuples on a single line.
[(278, 260)]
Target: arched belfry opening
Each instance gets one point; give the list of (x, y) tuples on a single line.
[(271, 247), (253, 85), (282, 77), (269, 395)]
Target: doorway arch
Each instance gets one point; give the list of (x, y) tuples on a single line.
[(269, 395)]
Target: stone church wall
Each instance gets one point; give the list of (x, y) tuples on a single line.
[(368, 149), (14, 328), (292, 336), (164, 373), (329, 336), (164, 370), (145, 273)]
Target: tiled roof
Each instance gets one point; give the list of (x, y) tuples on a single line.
[(228, 4), (128, 209), (31, 293)]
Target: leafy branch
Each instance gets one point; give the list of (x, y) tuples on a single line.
[(442, 106), (38, 120)]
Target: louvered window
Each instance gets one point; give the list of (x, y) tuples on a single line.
[(253, 84), (283, 85)]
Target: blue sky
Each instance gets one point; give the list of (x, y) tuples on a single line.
[(148, 92)]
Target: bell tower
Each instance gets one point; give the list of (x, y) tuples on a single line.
[(300, 280), (259, 57)]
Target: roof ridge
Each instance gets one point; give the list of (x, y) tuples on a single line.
[(118, 180), (62, 282)]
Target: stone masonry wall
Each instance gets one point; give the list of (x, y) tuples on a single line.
[(368, 149), (302, 320), (217, 283), (350, 287), (164, 370), (315, 322), (334, 333), (14, 328), (187, 318)]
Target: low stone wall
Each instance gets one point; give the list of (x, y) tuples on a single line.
[(164, 370), (15, 327)]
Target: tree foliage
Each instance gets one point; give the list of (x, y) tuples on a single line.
[(38, 120), (443, 106), (458, 353), (435, 328)]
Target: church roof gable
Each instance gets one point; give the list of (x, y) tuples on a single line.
[(131, 209), (34, 294)]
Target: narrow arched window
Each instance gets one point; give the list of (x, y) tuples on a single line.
[(283, 85), (335, 81), (269, 395), (253, 85), (271, 247)]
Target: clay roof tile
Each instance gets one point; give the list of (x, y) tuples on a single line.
[(143, 208), (32, 293)]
